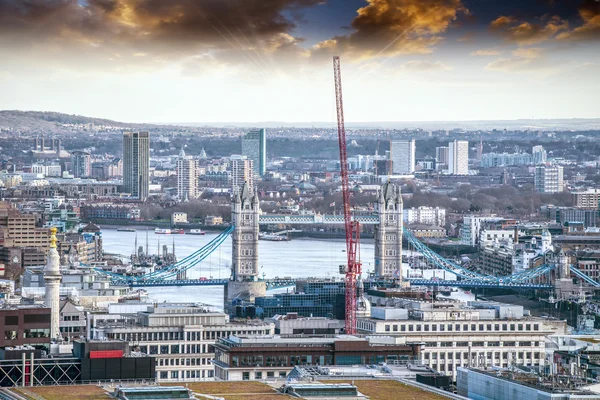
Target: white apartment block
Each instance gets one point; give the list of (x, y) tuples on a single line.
[(458, 157), (549, 179), (179, 336), (425, 216), (484, 334), (471, 228), (588, 199), (187, 178), (242, 170), (402, 154)]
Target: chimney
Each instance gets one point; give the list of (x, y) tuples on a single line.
[(516, 238)]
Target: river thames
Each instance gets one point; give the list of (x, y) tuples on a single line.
[(298, 258)]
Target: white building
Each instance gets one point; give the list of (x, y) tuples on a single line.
[(539, 155), (179, 336), (549, 179), (187, 177), (242, 170), (458, 157), (425, 215), (471, 228), (179, 218), (484, 333), (402, 154)]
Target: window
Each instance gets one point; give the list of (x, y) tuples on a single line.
[(387, 328), (11, 320), (395, 328), (270, 374), (164, 374), (258, 375), (418, 328), (36, 318), (245, 376), (536, 327), (174, 374), (426, 328), (402, 328)]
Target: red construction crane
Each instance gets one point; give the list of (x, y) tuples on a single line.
[(352, 227)]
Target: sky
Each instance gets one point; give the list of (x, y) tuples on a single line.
[(203, 61)]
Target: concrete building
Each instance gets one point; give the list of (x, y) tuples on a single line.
[(482, 333), (180, 336), (539, 155), (388, 233), (402, 154), (549, 179), (52, 278), (442, 156), (458, 157), (254, 147), (187, 177), (482, 384), (425, 216), (268, 357), (82, 164), (491, 160), (179, 218), (588, 199), (242, 171), (471, 228), (292, 324), (136, 164), (24, 325)]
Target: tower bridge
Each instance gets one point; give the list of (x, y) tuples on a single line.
[(244, 282)]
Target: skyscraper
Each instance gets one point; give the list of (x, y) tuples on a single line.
[(254, 146), (458, 157), (539, 155), (402, 153), (187, 177), (441, 156), (82, 164), (241, 172), (136, 164), (549, 179)]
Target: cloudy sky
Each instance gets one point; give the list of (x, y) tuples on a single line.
[(270, 60)]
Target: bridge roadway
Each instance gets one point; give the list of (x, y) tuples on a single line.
[(314, 219), (283, 283)]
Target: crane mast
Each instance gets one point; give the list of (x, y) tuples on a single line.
[(352, 227)]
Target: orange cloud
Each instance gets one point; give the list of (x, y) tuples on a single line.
[(590, 30), (393, 27), (528, 33)]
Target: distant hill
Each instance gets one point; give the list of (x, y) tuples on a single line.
[(47, 121)]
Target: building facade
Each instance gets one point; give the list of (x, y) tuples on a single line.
[(136, 164), (588, 199), (254, 147), (549, 179), (425, 216), (82, 164), (388, 233), (402, 154), (458, 157), (242, 171), (441, 155), (187, 177)]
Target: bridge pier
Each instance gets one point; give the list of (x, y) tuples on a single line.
[(246, 291)]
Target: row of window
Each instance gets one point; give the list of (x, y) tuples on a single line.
[(27, 334), (164, 375), (505, 355), (259, 375), (461, 327), (176, 349), (481, 344), (182, 361), (179, 336)]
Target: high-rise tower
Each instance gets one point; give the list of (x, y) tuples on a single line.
[(388, 234), (402, 153), (244, 216), (254, 146), (136, 164), (187, 177), (458, 157), (52, 278)]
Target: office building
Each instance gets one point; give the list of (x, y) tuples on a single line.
[(269, 357), (136, 164), (482, 333), (254, 147), (471, 228), (242, 169), (187, 177), (82, 164), (402, 154), (549, 179), (441, 155), (458, 157), (180, 336), (588, 199), (24, 325), (539, 155)]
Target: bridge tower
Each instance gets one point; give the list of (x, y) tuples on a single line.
[(245, 211), (388, 234)]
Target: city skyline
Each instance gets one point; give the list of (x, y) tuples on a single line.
[(402, 60)]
